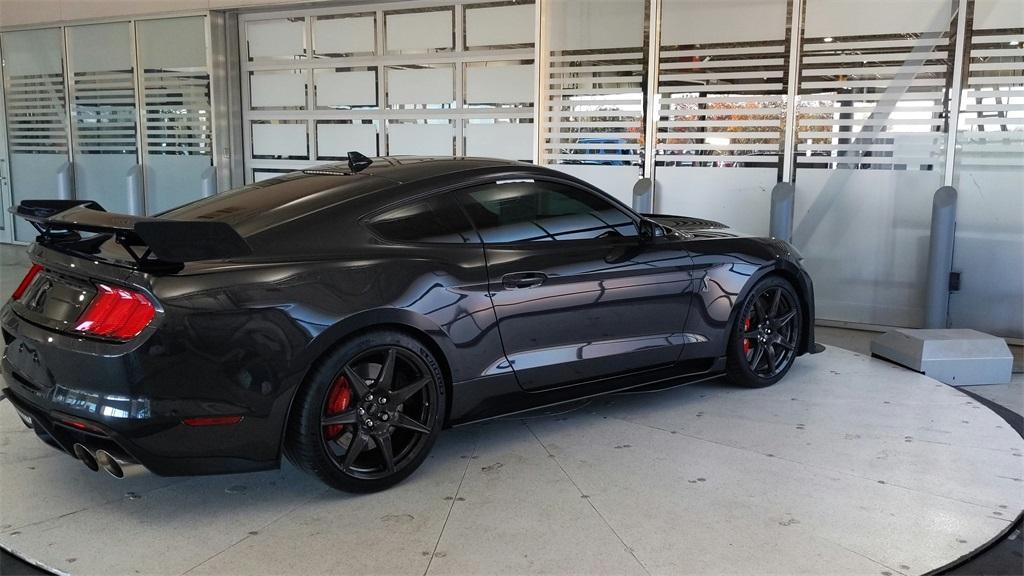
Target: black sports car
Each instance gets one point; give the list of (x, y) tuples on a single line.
[(344, 315)]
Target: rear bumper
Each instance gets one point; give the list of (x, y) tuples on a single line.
[(62, 383)]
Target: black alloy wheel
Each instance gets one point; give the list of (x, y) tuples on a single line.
[(767, 335), (376, 416)]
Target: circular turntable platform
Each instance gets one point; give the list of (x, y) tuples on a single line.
[(850, 465)]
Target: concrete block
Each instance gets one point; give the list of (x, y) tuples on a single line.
[(959, 357)]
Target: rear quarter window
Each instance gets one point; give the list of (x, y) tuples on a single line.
[(437, 220)]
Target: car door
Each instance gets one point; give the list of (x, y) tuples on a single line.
[(577, 294)]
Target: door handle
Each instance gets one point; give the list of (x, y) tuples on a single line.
[(519, 280)]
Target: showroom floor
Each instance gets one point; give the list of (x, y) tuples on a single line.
[(850, 465)]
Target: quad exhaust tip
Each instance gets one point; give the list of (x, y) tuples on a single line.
[(117, 466), (86, 456)]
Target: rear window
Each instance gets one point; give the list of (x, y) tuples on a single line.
[(436, 220), (265, 204)]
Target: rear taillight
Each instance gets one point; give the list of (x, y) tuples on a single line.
[(29, 277), (116, 313)]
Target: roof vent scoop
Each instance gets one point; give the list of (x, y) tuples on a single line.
[(357, 162)]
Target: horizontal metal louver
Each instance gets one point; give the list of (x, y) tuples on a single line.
[(594, 108), (721, 105), (177, 112), (992, 102), (104, 112), (36, 114), (873, 102)]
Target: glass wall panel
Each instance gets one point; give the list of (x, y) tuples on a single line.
[(104, 136), (989, 175), (721, 109), (593, 92), (870, 152), (176, 110), (36, 107)]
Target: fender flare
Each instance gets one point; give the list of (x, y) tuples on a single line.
[(359, 322), (805, 290)]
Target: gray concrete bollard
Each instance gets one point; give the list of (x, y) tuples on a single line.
[(209, 182), (643, 196), (783, 200), (940, 257), (136, 200), (65, 191)]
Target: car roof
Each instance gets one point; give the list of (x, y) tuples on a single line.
[(267, 203)]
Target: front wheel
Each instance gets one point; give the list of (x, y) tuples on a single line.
[(369, 413), (766, 335)]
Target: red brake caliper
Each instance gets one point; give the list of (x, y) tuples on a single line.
[(337, 402), (746, 341)]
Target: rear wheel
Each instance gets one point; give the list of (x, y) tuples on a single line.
[(369, 414), (763, 342)]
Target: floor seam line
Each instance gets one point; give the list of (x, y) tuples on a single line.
[(862, 555), (588, 499), (814, 466), (99, 505), (258, 529), (455, 498)]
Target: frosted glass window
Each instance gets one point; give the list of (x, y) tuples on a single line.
[(346, 89), (421, 86), (277, 89), (100, 47), (177, 122), (33, 52), (502, 84), (500, 140), (420, 31), (37, 137), (186, 35), (700, 21), (421, 139), (586, 24), (104, 133), (286, 139), (283, 38), (345, 35), (866, 17), (499, 25), (336, 140), (998, 14)]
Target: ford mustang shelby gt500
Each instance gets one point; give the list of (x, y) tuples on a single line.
[(344, 315)]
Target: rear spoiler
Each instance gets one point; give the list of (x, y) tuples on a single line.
[(149, 241)]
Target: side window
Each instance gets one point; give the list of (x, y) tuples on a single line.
[(437, 219), (528, 211)]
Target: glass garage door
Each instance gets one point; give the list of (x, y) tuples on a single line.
[(437, 80)]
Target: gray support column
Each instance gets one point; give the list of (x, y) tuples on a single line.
[(64, 186), (210, 182), (940, 257), (783, 201), (136, 200)]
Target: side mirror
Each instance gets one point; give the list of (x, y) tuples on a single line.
[(648, 229)]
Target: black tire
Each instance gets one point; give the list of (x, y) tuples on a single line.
[(765, 336), (400, 412)]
